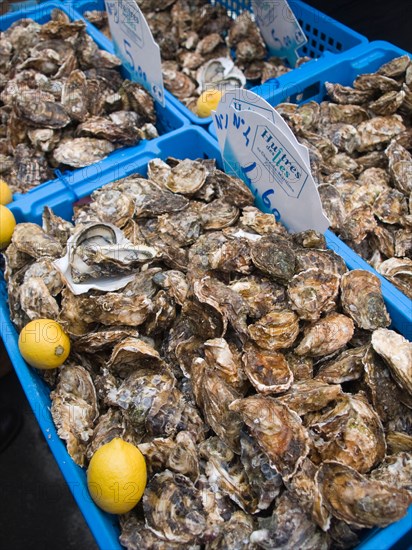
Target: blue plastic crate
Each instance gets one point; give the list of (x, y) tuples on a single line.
[(311, 86), (168, 118), (327, 39), (192, 142), (309, 83)]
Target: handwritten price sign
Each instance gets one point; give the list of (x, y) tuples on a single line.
[(135, 46), (280, 28)]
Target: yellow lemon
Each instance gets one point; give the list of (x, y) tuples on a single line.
[(44, 344), (117, 476), (208, 102), (6, 195), (7, 225)]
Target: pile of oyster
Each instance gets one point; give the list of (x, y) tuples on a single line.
[(251, 368), (63, 101), (202, 47), (360, 144)]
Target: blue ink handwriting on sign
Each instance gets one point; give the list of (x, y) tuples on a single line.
[(267, 202), (249, 168), (222, 121), (128, 52), (237, 121), (245, 134)]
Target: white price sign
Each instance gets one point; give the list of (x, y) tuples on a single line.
[(135, 46), (246, 100), (271, 164), (280, 28)]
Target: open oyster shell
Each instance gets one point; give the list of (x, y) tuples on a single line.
[(220, 73), (95, 252)]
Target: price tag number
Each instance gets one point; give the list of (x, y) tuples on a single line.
[(139, 72)]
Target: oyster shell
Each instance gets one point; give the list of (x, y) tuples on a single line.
[(44, 269), (382, 391), (333, 205), (36, 300), (378, 131), (399, 272), (81, 151), (327, 335), (225, 470), (187, 177), (350, 432), (30, 239), (260, 294), (183, 520), (131, 355), (177, 455), (313, 293), (220, 73), (276, 330), (214, 396), (275, 258), (268, 371), (344, 368), (136, 395), (347, 95), (74, 409), (362, 300), (395, 470), (390, 206), (289, 527), (74, 96), (310, 395), (95, 252), (357, 500), (277, 430), (225, 358), (234, 534), (397, 353), (37, 111), (265, 481), (55, 226)]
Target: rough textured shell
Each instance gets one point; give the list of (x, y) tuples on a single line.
[(357, 500), (183, 520), (277, 430), (362, 300), (268, 371), (276, 330), (326, 335), (313, 292), (397, 352), (350, 432)]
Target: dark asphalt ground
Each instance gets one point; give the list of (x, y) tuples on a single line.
[(37, 510)]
